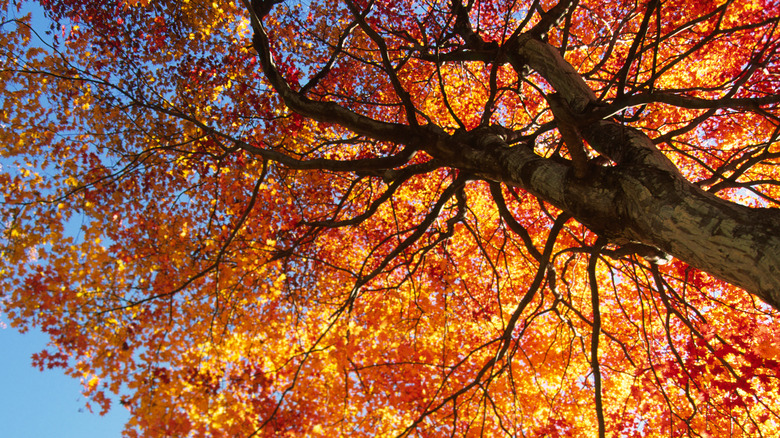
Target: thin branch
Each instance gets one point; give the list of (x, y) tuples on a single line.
[(596, 330), (402, 94), (506, 215), (622, 75)]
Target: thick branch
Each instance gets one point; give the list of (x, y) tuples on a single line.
[(549, 63), (642, 201), (328, 112), (682, 101)]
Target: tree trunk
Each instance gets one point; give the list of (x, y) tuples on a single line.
[(643, 198), (641, 203)]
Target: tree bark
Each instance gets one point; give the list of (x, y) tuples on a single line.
[(643, 198), (642, 203)]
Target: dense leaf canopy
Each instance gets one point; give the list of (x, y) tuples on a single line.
[(391, 218)]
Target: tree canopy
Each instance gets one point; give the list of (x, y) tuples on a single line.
[(399, 218)]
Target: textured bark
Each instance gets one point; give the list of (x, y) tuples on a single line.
[(549, 63), (655, 205), (643, 198), (642, 203)]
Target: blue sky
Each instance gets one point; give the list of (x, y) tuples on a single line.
[(37, 404)]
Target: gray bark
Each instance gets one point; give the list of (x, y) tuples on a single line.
[(639, 202), (643, 198)]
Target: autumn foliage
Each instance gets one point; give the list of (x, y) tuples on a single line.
[(361, 218)]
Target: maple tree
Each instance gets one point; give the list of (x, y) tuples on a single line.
[(416, 217)]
